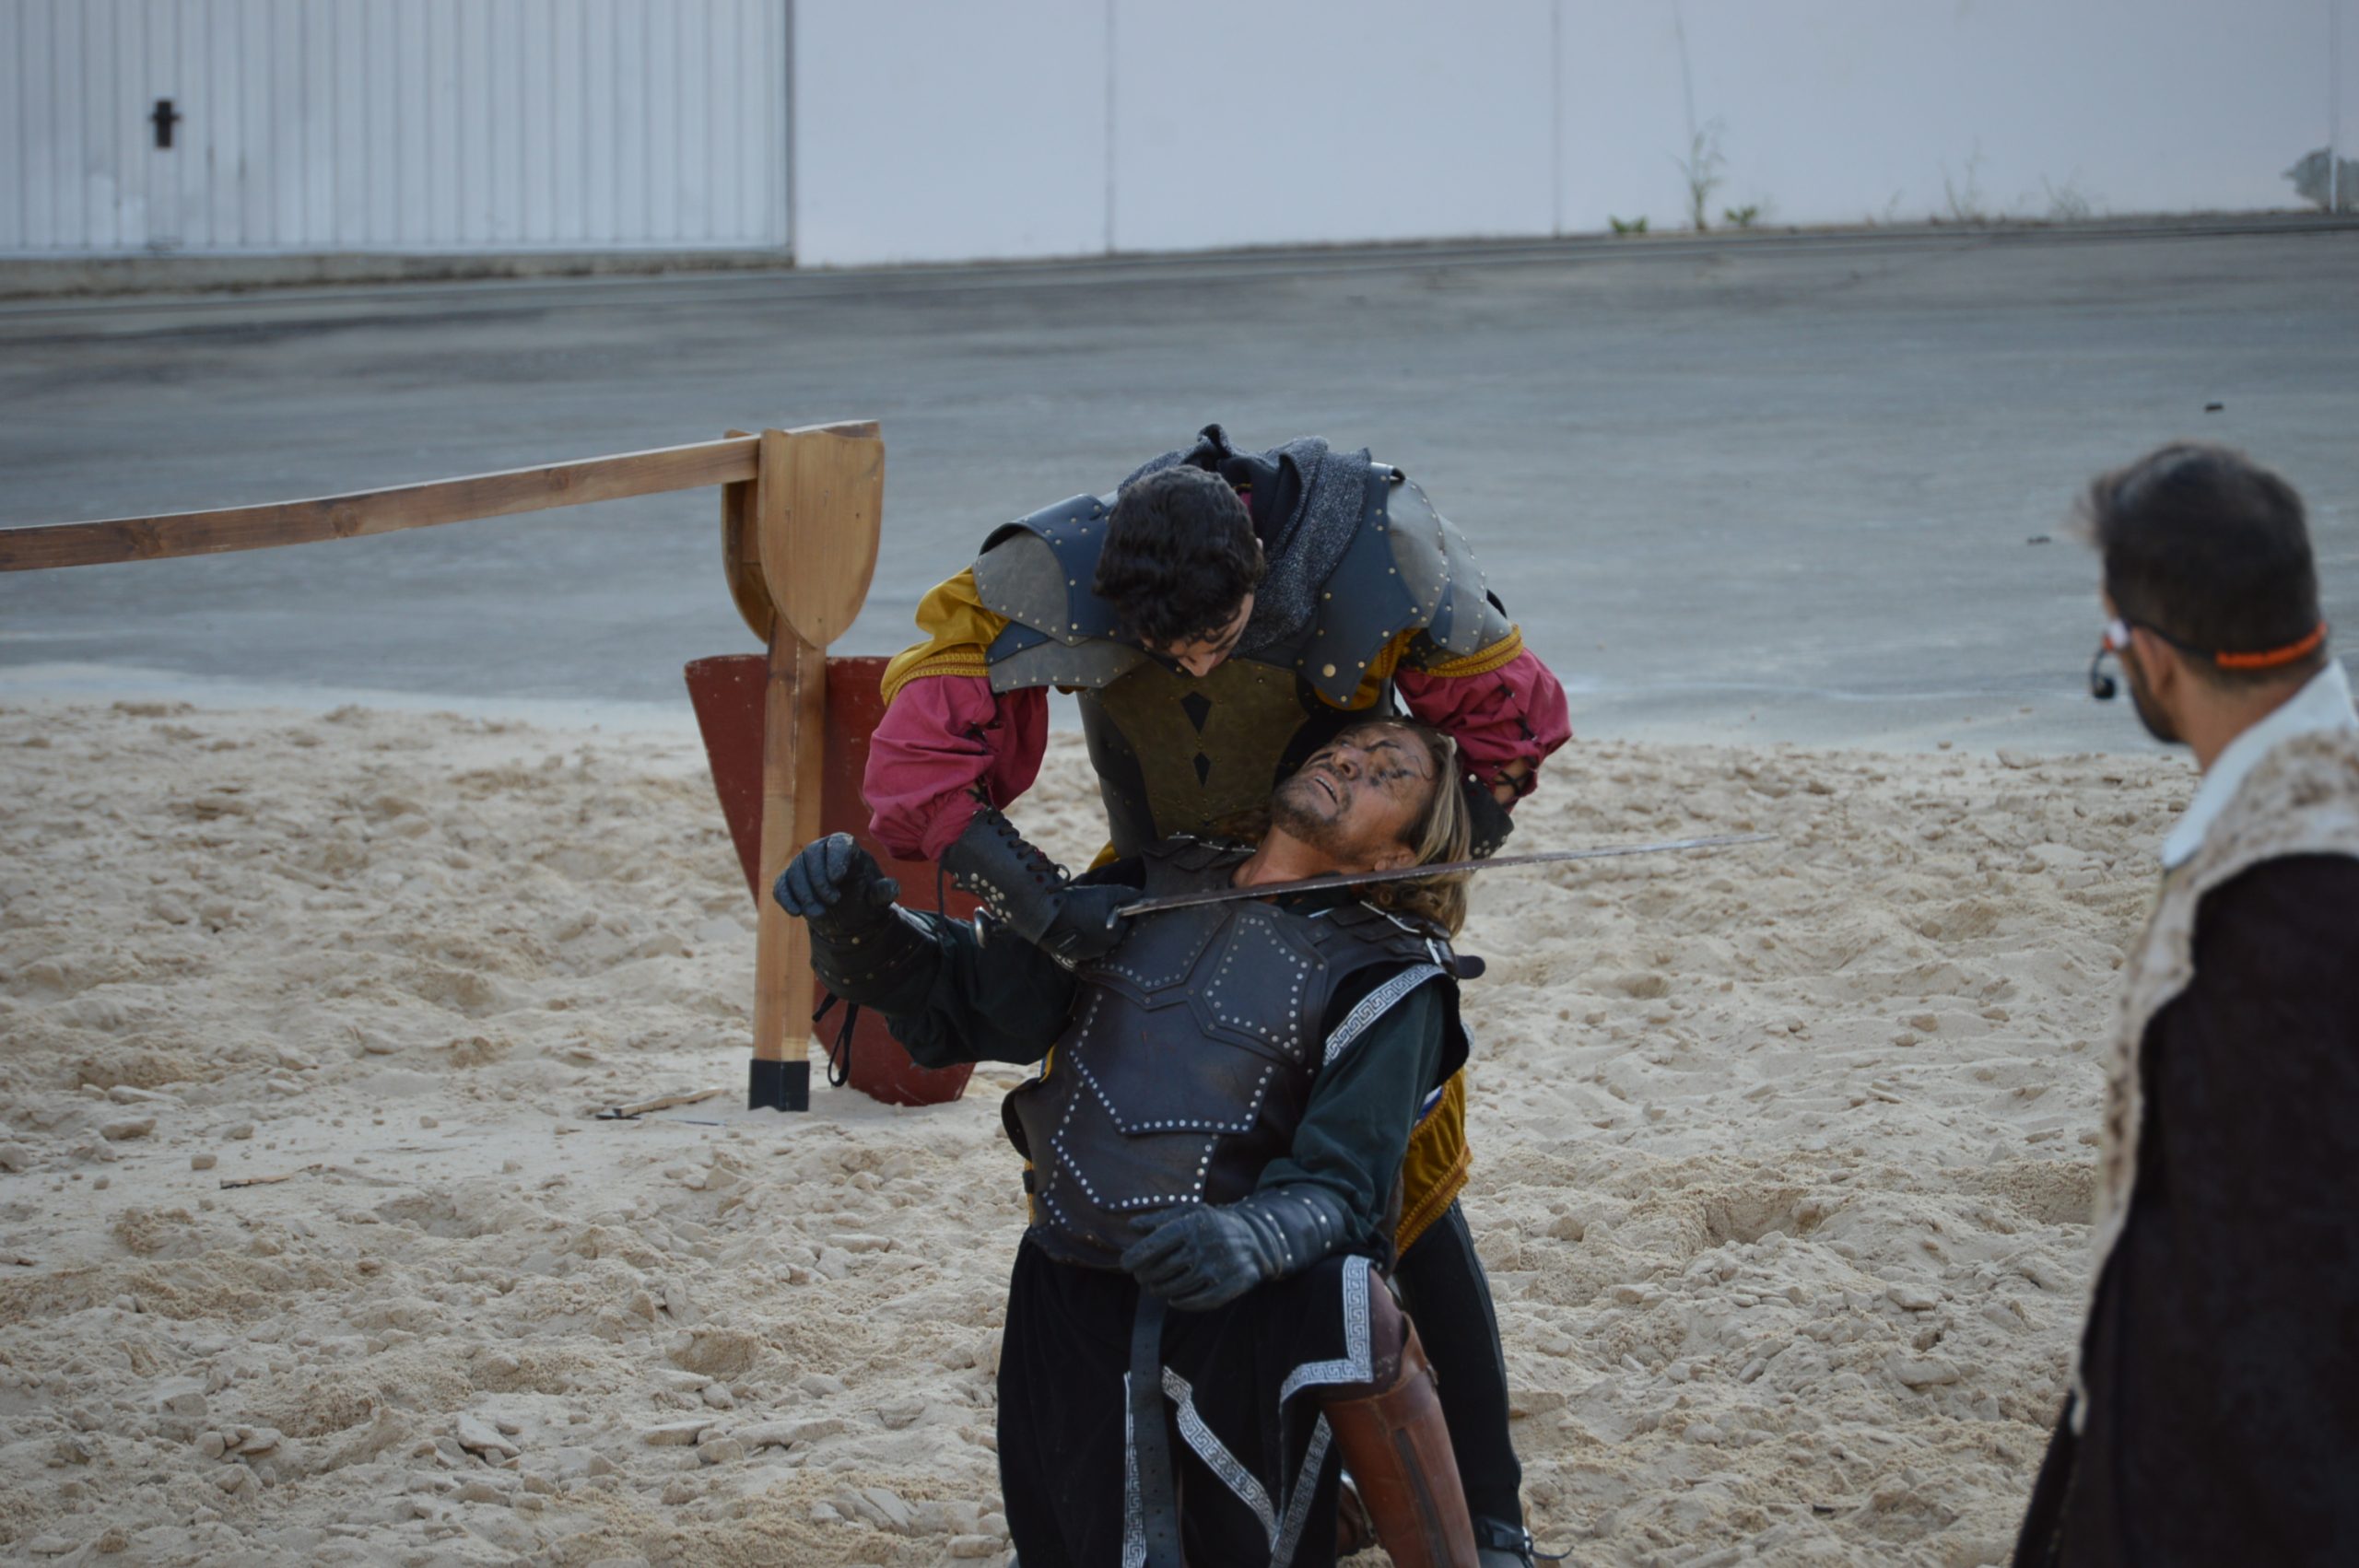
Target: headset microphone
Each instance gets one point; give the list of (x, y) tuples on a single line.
[(2102, 686)]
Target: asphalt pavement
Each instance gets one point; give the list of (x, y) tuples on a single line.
[(1813, 489)]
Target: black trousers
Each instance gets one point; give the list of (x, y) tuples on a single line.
[(1443, 1286), (1253, 1452)]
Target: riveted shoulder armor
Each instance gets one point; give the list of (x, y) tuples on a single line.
[(1036, 571), (1397, 936), (1364, 603), (1408, 568), (1452, 601)]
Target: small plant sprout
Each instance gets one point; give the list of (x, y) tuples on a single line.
[(1701, 168), (2067, 202), (1965, 199), (1628, 225), (1740, 217)]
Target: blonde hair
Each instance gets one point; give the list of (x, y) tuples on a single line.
[(1442, 833)]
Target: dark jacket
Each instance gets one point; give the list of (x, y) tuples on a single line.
[(2222, 1353)]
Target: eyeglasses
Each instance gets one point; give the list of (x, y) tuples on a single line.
[(2115, 640)]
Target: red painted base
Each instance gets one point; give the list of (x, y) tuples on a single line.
[(727, 693)]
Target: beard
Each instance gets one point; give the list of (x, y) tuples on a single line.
[(2158, 723), (1294, 810)]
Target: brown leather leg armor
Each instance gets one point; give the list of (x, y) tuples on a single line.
[(1395, 1444)]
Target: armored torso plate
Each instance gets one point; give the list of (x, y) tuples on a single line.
[(1177, 754), (1191, 1052)]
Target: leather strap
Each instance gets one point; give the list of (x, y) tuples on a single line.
[(1151, 1438)]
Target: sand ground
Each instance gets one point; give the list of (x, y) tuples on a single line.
[(1783, 1158)]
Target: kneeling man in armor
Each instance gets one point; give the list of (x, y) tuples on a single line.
[(1200, 1332)]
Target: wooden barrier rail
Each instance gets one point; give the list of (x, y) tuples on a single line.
[(800, 511), (45, 546)]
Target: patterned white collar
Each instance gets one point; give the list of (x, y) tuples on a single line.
[(2323, 703)]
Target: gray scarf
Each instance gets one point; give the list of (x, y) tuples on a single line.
[(1303, 546)]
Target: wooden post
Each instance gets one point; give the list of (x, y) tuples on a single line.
[(818, 496)]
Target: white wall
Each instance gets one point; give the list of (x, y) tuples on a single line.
[(1836, 111), (947, 129), (929, 131), (316, 125), (932, 130), (943, 130), (1277, 122)]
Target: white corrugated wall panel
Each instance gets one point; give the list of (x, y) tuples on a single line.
[(13, 184), (315, 125)]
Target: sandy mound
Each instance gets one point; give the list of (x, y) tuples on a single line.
[(1783, 1156)]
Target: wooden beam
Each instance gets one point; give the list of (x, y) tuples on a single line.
[(818, 497), (385, 511), (374, 511), (741, 557), (794, 722)]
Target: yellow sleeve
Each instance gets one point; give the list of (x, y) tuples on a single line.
[(1380, 671), (958, 630), (1481, 661), (1433, 1171)]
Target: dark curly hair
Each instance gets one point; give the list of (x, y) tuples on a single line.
[(2210, 550), (1179, 557)]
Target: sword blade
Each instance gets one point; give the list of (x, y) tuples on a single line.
[(1415, 874)]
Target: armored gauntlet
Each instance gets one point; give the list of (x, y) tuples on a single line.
[(1031, 895)]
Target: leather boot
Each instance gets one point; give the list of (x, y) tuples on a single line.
[(1501, 1545), (1355, 1531), (1396, 1447)]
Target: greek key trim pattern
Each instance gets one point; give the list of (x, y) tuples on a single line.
[(1298, 1504), (1374, 1006), (1133, 1507), (1216, 1456), (1356, 1364)]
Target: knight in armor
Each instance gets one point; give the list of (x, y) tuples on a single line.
[(1219, 617), (1200, 1333)]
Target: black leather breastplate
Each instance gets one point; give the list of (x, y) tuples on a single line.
[(1191, 1054)]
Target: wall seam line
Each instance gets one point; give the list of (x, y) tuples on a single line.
[(1110, 173)]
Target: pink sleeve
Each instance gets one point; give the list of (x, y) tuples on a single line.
[(1516, 712), (942, 736)]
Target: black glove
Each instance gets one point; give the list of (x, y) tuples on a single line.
[(835, 885), (1487, 821), (1089, 921), (1031, 895), (863, 946), (1199, 1257)]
